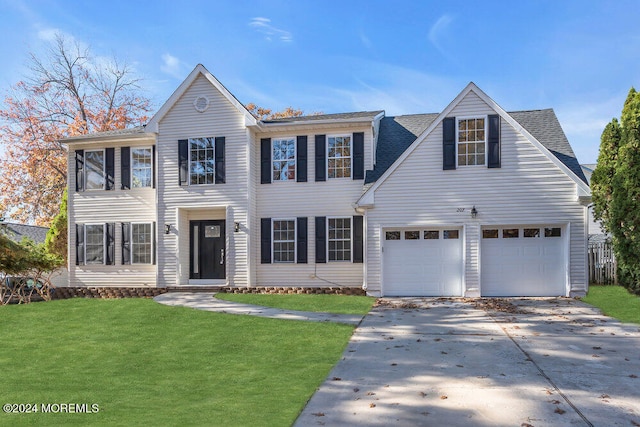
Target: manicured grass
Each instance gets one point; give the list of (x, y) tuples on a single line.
[(148, 364), (339, 304), (615, 301)]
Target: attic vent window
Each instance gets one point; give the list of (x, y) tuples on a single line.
[(201, 104)]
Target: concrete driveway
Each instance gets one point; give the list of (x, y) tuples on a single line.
[(514, 362)]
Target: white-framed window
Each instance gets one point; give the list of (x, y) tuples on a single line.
[(202, 161), (141, 243), (471, 141), (339, 239), (94, 173), (284, 240), (94, 242), (339, 156), (141, 167), (283, 159)]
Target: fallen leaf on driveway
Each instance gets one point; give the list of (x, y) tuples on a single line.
[(318, 414), (443, 397), (356, 389), (336, 379), (633, 376), (422, 393), (371, 393), (394, 364), (559, 411), (596, 348), (526, 425), (460, 366), (372, 405), (604, 396)]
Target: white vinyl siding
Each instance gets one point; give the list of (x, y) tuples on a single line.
[(101, 207), (332, 199), (528, 188), (180, 204)]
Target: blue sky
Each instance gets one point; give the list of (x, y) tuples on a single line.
[(578, 57)]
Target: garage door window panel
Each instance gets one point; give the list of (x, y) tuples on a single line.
[(411, 235), (490, 234), (531, 232), (510, 233), (552, 232), (392, 235), (432, 235), (450, 234)]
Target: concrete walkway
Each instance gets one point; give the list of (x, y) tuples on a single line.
[(206, 301), (439, 362)]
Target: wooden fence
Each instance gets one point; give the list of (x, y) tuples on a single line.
[(602, 263)]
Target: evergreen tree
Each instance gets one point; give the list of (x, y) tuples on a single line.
[(616, 190)]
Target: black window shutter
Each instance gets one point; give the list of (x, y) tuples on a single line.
[(301, 232), (153, 166), (126, 243), (358, 155), (265, 240), (321, 239), (154, 247), (79, 170), (449, 143), (265, 161), (183, 161), (301, 158), (219, 154), (110, 168), (125, 168), (493, 141), (321, 158), (79, 244), (358, 239), (111, 243)]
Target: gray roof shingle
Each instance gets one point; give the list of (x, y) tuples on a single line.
[(365, 115), (398, 133), (17, 232)]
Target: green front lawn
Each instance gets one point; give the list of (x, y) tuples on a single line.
[(339, 304), (144, 363), (615, 301)]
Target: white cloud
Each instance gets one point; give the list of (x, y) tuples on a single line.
[(439, 30), (263, 26), (172, 66)]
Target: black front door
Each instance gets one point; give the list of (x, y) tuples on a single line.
[(207, 254)]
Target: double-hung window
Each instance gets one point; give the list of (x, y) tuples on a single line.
[(283, 159), (339, 156), (202, 160), (141, 243), (339, 239), (141, 167), (471, 139), (94, 243), (284, 240), (94, 170)]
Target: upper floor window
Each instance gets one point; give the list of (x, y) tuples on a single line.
[(141, 167), (471, 141), (202, 160), (94, 170), (284, 159), (339, 157)]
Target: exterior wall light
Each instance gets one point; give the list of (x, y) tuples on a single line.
[(474, 212), (167, 228), (237, 226)]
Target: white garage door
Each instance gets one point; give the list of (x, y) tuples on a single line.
[(523, 261), (422, 262)]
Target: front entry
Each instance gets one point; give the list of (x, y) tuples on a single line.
[(207, 249)]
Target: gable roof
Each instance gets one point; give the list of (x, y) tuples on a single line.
[(17, 232), (199, 70), (543, 124)]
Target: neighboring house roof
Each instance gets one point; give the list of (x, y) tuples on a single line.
[(134, 132), (364, 115), (588, 170), (17, 232)]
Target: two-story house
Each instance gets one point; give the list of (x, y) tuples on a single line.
[(466, 202)]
